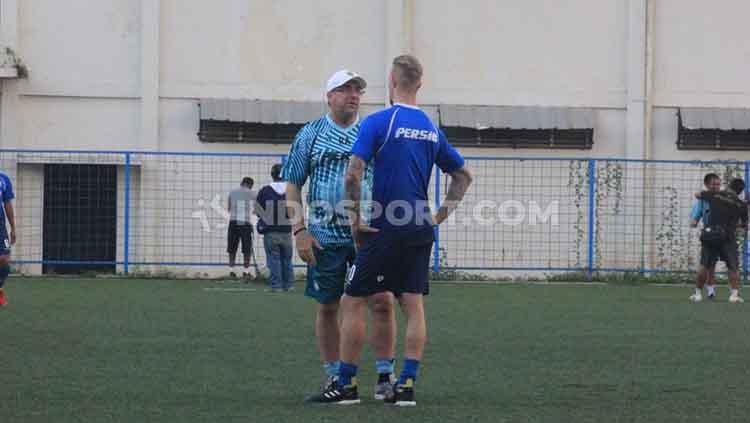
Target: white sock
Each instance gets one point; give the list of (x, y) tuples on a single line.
[(735, 292), (697, 292), (710, 289), (246, 269), (231, 269)]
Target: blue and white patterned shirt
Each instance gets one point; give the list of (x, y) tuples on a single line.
[(320, 153)]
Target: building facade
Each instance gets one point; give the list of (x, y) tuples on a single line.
[(131, 75)]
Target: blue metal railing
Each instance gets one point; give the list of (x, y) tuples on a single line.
[(588, 264)]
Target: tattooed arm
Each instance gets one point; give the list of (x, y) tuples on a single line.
[(353, 187)]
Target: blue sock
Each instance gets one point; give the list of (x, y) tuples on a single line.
[(409, 371), (4, 272), (384, 366), (347, 373), (332, 368)]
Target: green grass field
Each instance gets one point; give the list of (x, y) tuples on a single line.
[(109, 350)]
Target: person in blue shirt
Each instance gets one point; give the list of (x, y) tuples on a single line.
[(393, 252), (320, 154), (7, 238), (700, 213)]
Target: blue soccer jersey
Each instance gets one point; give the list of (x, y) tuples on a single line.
[(6, 194), (321, 152), (403, 144)]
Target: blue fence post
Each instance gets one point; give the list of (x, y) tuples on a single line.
[(126, 230), (592, 205), (436, 229), (745, 249)]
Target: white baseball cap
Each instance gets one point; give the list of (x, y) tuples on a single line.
[(342, 77)]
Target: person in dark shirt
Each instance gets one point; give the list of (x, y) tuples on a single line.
[(719, 238), (700, 213), (273, 224)]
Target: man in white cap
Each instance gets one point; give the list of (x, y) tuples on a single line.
[(320, 153)]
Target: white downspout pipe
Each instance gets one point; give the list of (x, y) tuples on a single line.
[(650, 39)]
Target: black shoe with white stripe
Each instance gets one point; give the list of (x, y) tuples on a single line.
[(334, 394), (327, 383)]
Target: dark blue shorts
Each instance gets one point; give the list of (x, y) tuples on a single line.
[(4, 241), (392, 261), (325, 281)]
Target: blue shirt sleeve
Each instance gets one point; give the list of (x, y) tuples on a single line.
[(8, 192), (448, 159), (297, 163), (697, 212), (369, 139)]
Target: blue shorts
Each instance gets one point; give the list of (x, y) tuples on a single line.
[(325, 280), (4, 241), (392, 261)]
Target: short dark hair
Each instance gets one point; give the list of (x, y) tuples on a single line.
[(276, 172), (248, 182), (737, 185), (710, 176)]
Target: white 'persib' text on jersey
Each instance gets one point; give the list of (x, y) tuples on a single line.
[(416, 134)]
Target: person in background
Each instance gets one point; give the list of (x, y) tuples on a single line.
[(241, 206), (700, 213), (274, 225), (719, 237), (7, 239)]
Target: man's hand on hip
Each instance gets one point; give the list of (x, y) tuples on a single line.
[(305, 243)]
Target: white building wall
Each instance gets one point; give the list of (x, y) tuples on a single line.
[(531, 52), (80, 48), (702, 55), (270, 50), (29, 186)]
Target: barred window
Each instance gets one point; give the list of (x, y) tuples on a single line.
[(581, 139), (713, 129), (247, 132)]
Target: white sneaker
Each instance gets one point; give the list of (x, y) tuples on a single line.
[(736, 299), (696, 298)]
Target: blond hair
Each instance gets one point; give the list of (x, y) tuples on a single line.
[(407, 71)]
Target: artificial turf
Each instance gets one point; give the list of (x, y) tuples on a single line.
[(126, 350)]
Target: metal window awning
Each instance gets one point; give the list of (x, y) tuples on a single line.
[(277, 112), (516, 117), (713, 118), (259, 111)]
